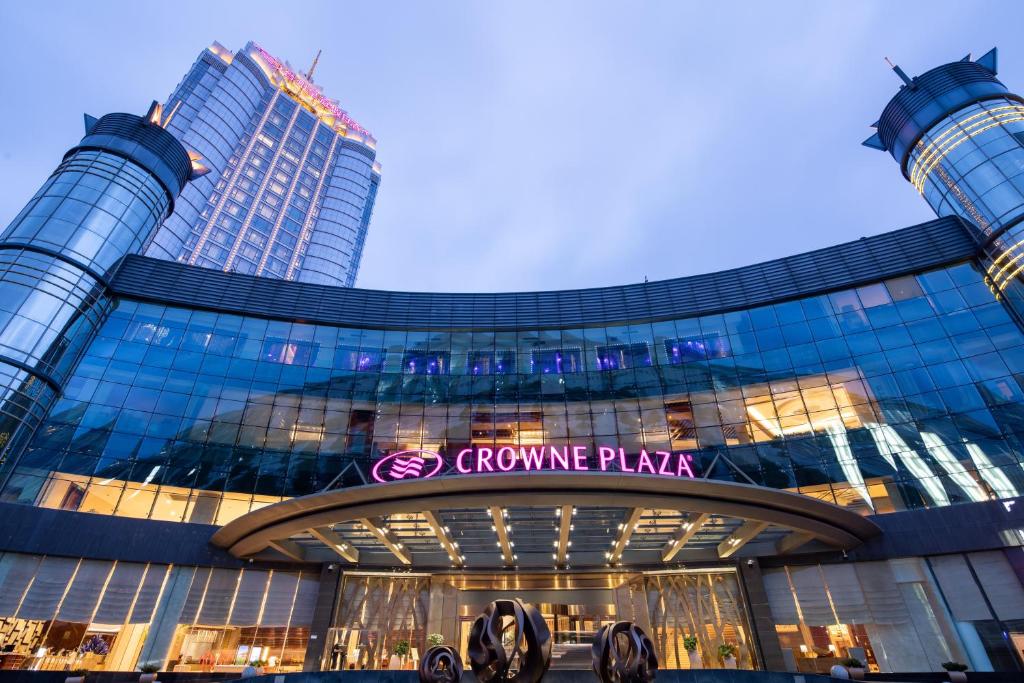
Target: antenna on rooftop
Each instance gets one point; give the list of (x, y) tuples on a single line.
[(309, 75), (900, 72)]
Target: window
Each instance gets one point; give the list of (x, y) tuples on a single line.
[(501, 362), (697, 348), (556, 361), (425, 363), (903, 288), (289, 352), (352, 358), (623, 356)]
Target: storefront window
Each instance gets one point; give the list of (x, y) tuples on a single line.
[(899, 615), (62, 613)]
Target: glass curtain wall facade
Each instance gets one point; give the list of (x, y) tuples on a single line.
[(895, 395), (877, 380), (101, 203), (293, 180), (958, 135)]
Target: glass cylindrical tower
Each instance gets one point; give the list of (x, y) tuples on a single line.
[(101, 203), (958, 135)]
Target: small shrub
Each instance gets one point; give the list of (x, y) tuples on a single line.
[(401, 648), (435, 639), (690, 643), (954, 666), (851, 663), (726, 651), (149, 668)]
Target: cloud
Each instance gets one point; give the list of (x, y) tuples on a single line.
[(544, 145)]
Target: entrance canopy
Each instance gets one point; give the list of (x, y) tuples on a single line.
[(542, 519)]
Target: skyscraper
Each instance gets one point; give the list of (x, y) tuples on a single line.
[(294, 177)]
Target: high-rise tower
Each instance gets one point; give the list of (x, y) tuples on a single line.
[(293, 180), (56, 256), (958, 135)]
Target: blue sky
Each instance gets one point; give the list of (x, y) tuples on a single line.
[(543, 145)]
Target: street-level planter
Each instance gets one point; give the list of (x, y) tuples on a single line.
[(727, 653), (957, 671), (76, 676), (148, 674), (850, 668), (690, 645), (840, 672)]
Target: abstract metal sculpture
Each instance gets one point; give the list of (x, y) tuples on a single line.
[(510, 641), (622, 653), (441, 664)]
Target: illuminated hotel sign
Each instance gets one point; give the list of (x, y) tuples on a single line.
[(302, 88), (422, 464)]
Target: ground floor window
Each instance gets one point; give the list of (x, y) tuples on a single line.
[(909, 614), (61, 614)]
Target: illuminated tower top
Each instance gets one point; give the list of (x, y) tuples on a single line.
[(293, 176), (302, 89)]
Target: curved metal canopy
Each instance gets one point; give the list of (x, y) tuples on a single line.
[(796, 519)]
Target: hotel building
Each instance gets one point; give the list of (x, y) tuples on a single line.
[(294, 177), (809, 458)]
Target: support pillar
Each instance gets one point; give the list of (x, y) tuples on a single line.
[(165, 617), (323, 618), (767, 640)]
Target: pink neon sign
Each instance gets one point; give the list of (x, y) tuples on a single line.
[(311, 91), (486, 460), (483, 459), (416, 464)]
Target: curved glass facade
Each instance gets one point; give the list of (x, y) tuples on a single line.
[(893, 395), (971, 164), (876, 387), (95, 208)]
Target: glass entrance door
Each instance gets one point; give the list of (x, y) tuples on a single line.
[(377, 613)]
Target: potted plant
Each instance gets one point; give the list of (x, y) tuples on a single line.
[(149, 672), (76, 676), (727, 653), (956, 671), (398, 654), (690, 645), (435, 639), (855, 667)]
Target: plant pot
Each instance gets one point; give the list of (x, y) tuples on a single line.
[(957, 676), (395, 663), (839, 671), (147, 678), (856, 673), (695, 660), (75, 679), (729, 662)]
